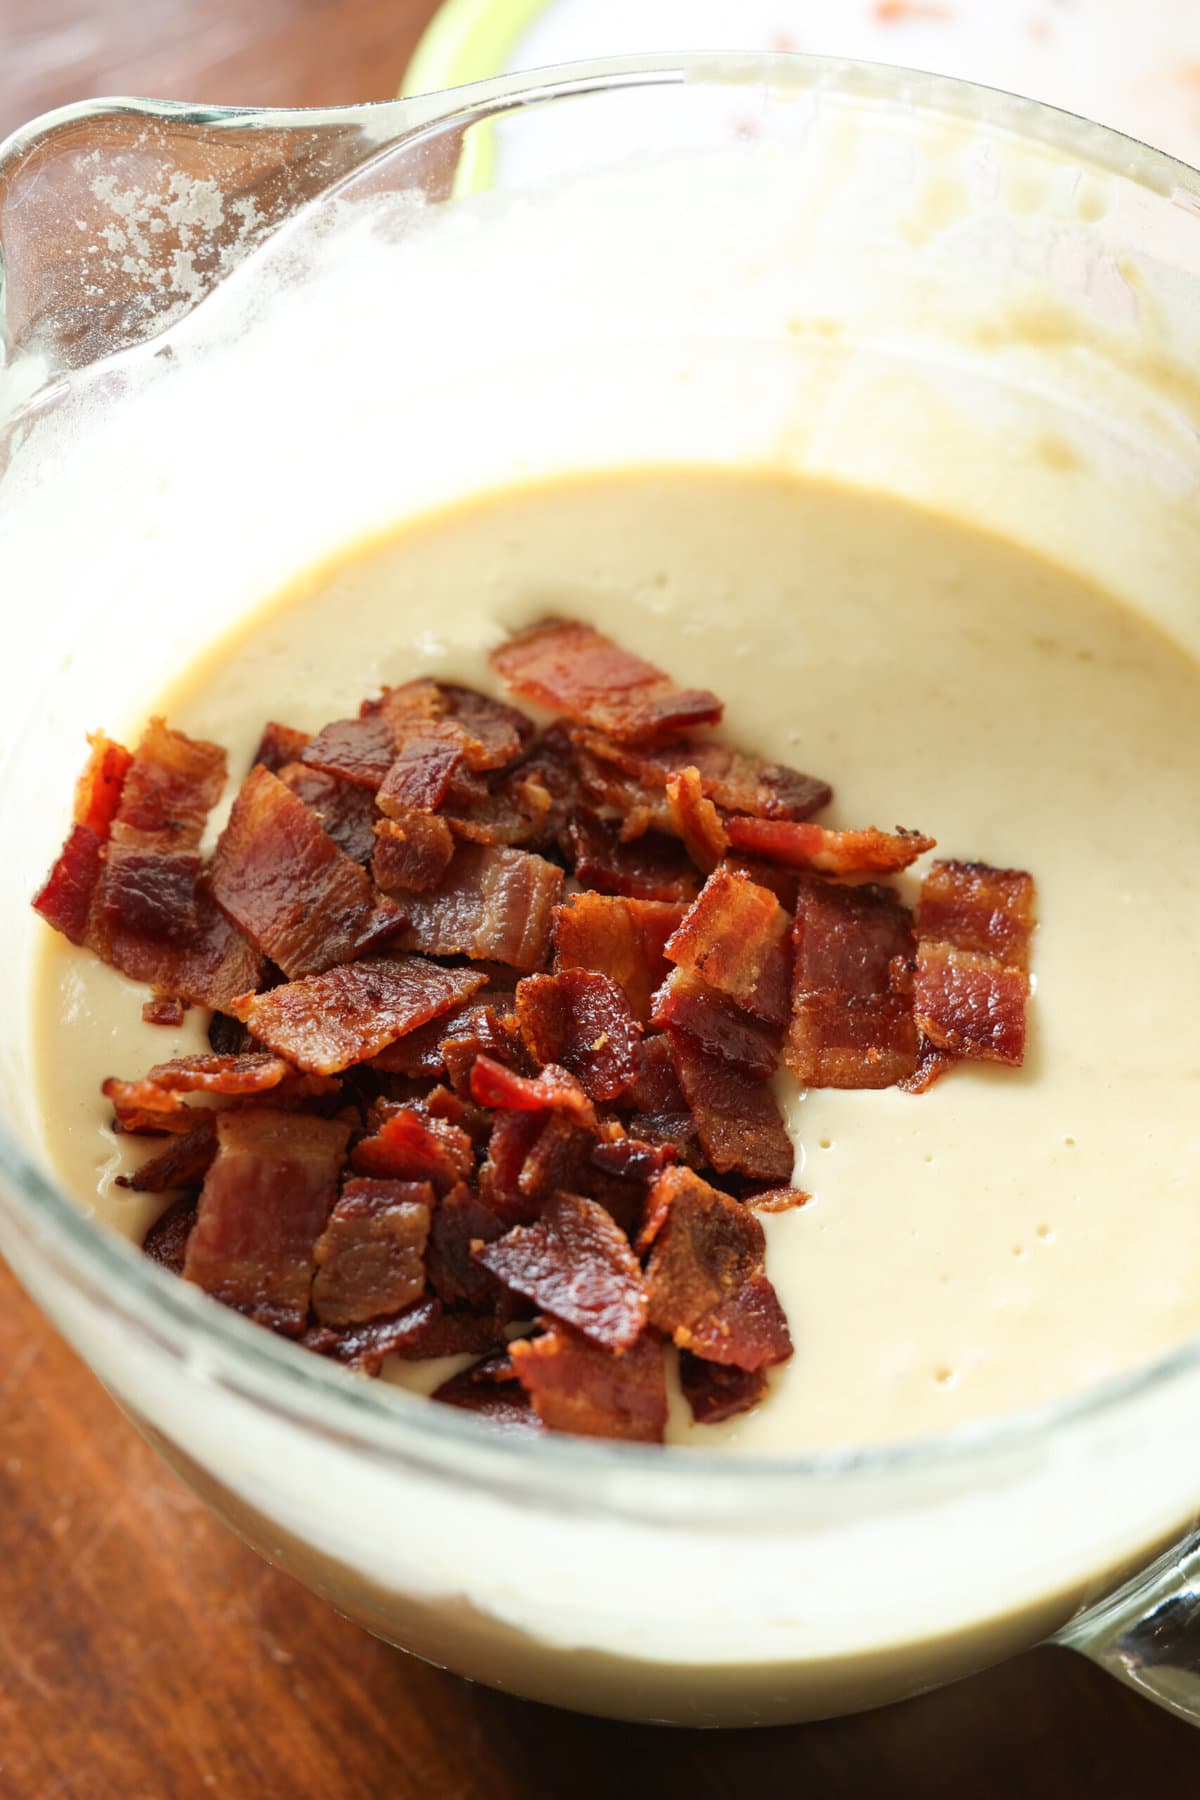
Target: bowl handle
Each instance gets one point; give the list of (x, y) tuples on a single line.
[(1148, 1632)]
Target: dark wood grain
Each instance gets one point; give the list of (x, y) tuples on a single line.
[(145, 1654)]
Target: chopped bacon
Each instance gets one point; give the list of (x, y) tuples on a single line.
[(349, 1014), (571, 668), (411, 1146), (575, 1386), (460, 1220), (530, 1156), (493, 904), (737, 939), (783, 883), (426, 759), (974, 926), (412, 852), (657, 1087), (491, 1030), (164, 1009), (98, 791), (166, 1241), (632, 1158), (623, 939), (852, 1000), (162, 1088), (736, 1114), (183, 1164), (492, 733), (777, 1200), (264, 1204), (490, 1389), (279, 746), (696, 820), (654, 867), (147, 892), (582, 1021), (359, 750), (211, 970), (708, 1289), (635, 808), (346, 811), (371, 1256), (281, 878), (65, 898), (719, 1391), (804, 846), (423, 1331), (170, 788), (553, 1090), (716, 1026), (576, 1264), (736, 782)]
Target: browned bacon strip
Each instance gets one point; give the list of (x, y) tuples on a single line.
[(420, 777), (582, 1021), (578, 1387), (805, 846), (345, 810), (148, 881), (737, 939), (460, 1220), (736, 1115), (974, 926), (696, 820), (491, 733), (164, 1009), (409, 1145), (412, 851), (349, 1014), (65, 900), (623, 939), (736, 782), (490, 1389), (553, 1090), (420, 1332), (183, 1164), (573, 669), (264, 1204), (358, 750), (371, 1256), (653, 867), (852, 1008), (575, 1263), (166, 1241), (719, 1391), (285, 883), (718, 1027), (493, 904), (162, 1087), (212, 970), (632, 1158), (708, 1289), (279, 747)]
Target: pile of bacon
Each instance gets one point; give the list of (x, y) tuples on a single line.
[(495, 1016)]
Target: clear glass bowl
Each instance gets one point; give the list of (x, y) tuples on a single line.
[(235, 341)]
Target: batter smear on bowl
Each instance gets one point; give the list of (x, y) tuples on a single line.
[(495, 1016)]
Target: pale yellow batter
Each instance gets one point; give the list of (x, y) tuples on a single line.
[(1008, 1237)]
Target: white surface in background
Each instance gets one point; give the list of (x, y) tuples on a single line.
[(1132, 64)]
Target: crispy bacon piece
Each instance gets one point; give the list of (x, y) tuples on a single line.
[(718, 1391), (460, 1220), (737, 939), (553, 1090), (575, 1386), (358, 750), (576, 1264), (805, 846), (98, 791), (571, 668), (657, 1087), (736, 782), (65, 898), (164, 1009), (281, 878), (623, 939), (852, 999), (422, 1331), (163, 1087), (974, 926), (411, 1146), (450, 1045), (493, 904), (696, 820), (783, 883), (583, 1022), (491, 1390), (264, 1204), (492, 734), (716, 1026), (426, 759), (777, 1200), (708, 1289), (183, 1164), (349, 1014), (736, 1114), (211, 971), (371, 1256), (632, 1158), (653, 867), (345, 811), (279, 746), (166, 1241), (412, 851)]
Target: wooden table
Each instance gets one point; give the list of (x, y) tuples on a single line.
[(145, 1654)]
